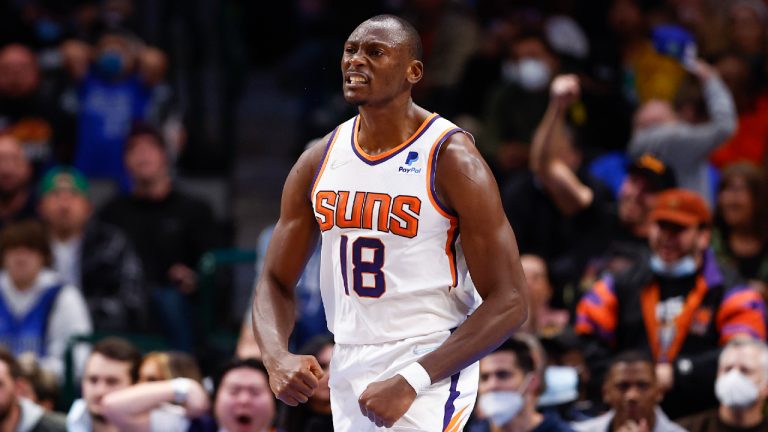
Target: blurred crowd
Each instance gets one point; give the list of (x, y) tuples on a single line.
[(627, 137)]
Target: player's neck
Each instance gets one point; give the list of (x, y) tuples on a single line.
[(383, 128)]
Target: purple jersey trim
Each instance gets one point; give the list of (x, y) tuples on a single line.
[(400, 150), (343, 258), (450, 406), (432, 191), (453, 254)]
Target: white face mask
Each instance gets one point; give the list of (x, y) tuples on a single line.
[(685, 266), (735, 390), (533, 74), (502, 406)]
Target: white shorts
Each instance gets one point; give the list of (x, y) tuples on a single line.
[(444, 406)]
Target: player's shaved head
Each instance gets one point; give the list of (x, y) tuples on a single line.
[(405, 32)]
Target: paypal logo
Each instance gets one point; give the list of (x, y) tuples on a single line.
[(410, 162)]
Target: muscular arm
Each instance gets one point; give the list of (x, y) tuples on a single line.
[(273, 314), (466, 184)]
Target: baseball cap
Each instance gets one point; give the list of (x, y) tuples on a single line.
[(659, 176), (63, 177), (682, 207)]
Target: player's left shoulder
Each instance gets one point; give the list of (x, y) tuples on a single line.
[(459, 155)]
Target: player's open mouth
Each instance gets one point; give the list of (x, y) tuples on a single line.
[(356, 79)]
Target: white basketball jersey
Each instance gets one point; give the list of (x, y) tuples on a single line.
[(392, 265)]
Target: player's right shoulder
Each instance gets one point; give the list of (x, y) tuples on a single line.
[(314, 152), (303, 172)]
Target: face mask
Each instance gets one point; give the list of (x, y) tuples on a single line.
[(502, 406), (533, 74), (110, 64), (685, 266), (735, 390), (562, 386)]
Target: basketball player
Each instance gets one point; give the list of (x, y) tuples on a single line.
[(389, 190)]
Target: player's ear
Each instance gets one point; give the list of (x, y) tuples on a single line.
[(415, 71)]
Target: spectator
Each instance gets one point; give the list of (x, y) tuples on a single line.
[(162, 366), (511, 380), (158, 406), (564, 350), (569, 221), (741, 388), (740, 235), (645, 73), (315, 415), (19, 414), (748, 19), (17, 200), (632, 391), (568, 209), (112, 365), (170, 231), (111, 98), (26, 112), (543, 320), (751, 137), (683, 146), (450, 35), (92, 255), (38, 312), (646, 178), (243, 400), (679, 305), (517, 104), (42, 385)]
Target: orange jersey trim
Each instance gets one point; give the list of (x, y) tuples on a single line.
[(456, 421), (327, 156), (391, 151)]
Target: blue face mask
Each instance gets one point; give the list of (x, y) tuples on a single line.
[(110, 64), (685, 266)]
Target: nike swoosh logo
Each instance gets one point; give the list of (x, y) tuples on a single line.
[(338, 163)]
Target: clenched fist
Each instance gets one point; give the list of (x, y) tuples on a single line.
[(565, 90), (293, 378), (384, 402)]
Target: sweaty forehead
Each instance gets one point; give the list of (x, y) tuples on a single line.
[(388, 32)]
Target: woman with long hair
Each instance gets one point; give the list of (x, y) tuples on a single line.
[(740, 235)]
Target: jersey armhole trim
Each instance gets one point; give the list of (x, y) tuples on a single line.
[(432, 167), (321, 166)]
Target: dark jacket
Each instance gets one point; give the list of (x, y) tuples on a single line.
[(35, 419), (610, 320), (112, 282)]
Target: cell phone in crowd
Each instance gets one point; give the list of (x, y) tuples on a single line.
[(676, 42)]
